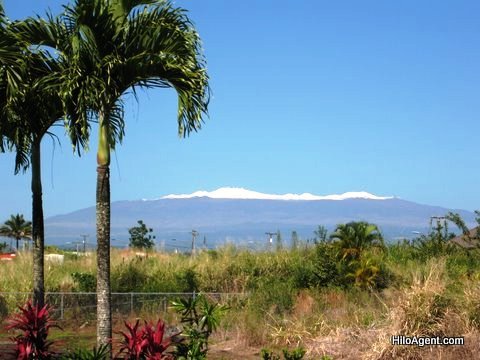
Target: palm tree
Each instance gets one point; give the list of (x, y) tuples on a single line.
[(365, 274), (118, 46), (354, 237), (29, 106), (17, 228)]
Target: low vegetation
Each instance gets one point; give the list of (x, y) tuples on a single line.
[(340, 298)]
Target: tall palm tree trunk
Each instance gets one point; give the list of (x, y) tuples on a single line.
[(104, 311), (38, 235)]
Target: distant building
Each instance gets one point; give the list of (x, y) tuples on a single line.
[(470, 241)]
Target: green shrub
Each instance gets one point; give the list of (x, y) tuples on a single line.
[(369, 273), (86, 282), (187, 280), (463, 264), (328, 271), (273, 294), (200, 318), (435, 244), (161, 281), (304, 275), (129, 278), (385, 277), (269, 355), (401, 252), (295, 354)]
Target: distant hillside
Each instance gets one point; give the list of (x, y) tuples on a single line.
[(245, 221)]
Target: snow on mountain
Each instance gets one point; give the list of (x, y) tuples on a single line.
[(224, 214), (241, 193)]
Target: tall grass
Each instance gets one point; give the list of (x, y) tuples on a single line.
[(298, 297)]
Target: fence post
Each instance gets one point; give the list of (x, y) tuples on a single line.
[(131, 303), (61, 306), (193, 295)]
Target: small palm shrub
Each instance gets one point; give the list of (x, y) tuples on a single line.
[(34, 323), (369, 274), (200, 318), (353, 238)]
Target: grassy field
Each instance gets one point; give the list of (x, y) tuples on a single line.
[(308, 297)]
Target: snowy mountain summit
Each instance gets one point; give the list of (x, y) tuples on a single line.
[(241, 193)]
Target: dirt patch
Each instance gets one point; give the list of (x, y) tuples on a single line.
[(348, 344), (231, 349), (6, 350)]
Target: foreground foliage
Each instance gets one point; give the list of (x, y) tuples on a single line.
[(34, 323), (300, 296), (200, 318), (147, 342)]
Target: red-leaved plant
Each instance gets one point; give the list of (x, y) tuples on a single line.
[(35, 323), (145, 343)]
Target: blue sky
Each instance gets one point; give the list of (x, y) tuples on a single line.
[(308, 96)]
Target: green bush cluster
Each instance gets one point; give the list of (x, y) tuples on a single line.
[(85, 282), (273, 279), (295, 354)]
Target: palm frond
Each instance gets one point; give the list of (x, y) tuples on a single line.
[(116, 46), (30, 87), (170, 55)]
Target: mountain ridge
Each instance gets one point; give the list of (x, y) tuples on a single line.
[(241, 220)]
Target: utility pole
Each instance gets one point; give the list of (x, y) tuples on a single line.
[(439, 227), (270, 237), (438, 219), (194, 235), (84, 241)]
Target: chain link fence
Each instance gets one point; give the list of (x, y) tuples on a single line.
[(81, 306)]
